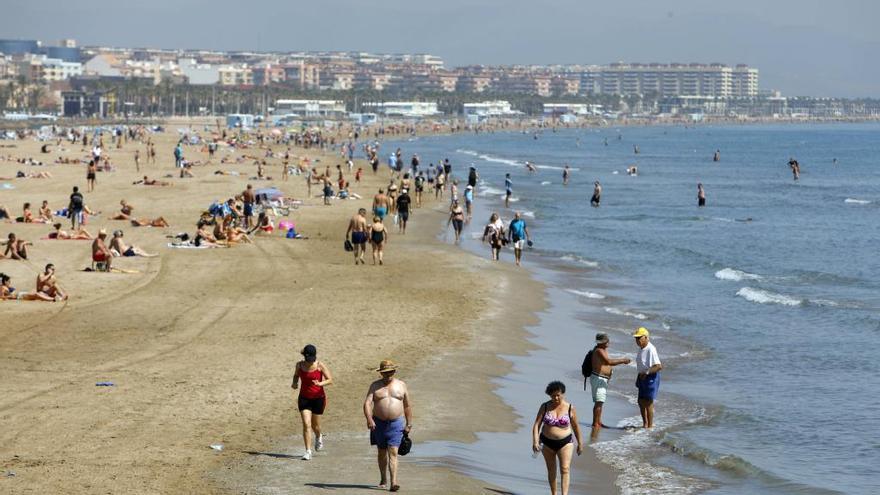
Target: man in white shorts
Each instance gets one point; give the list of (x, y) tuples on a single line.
[(519, 235)]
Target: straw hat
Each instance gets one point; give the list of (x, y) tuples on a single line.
[(385, 366)]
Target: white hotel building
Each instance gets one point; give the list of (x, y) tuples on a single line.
[(310, 108), (405, 108), (712, 80)]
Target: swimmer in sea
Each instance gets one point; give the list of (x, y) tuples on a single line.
[(597, 195), (795, 168), (566, 174), (701, 195)]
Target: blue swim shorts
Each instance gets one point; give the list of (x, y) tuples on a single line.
[(387, 433), (381, 211), (648, 386)]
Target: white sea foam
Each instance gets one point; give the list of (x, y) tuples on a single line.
[(491, 191), (766, 297), (587, 294), (615, 311), (546, 183), (527, 213), (637, 475), (855, 201), (736, 275), (581, 261), (468, 152)]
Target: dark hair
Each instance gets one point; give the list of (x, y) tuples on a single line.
[(554, 386), (3, 278)]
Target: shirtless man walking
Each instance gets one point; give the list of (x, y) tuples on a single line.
[(380, 204), (357, 228), (388, 410)]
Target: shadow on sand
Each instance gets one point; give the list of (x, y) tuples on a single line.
[(272, 454), (340, 486)]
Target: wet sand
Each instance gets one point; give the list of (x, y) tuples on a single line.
[(200, 344)]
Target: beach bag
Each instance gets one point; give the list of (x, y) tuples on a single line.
[(348, 246), (291, 233), (587, 366), (405, 444)]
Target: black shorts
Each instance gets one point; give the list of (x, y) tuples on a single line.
[(404, 215), (314, 405), (90, 176), (701, 201)]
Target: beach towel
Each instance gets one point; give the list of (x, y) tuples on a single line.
[(187, 245)]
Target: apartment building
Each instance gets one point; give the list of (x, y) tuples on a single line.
[(232, 75), (405, 108), (484, 109), (310, 108), (713, 80)]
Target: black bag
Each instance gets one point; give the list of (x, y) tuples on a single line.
[(348, 246), (587, 366), (405, 444)]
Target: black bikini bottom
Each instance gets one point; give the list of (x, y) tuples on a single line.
[(556, 444)]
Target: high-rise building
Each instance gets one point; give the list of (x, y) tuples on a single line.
[(714, 80)]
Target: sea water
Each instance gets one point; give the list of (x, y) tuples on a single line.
[(764, 305)]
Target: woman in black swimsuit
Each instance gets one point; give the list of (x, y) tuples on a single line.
[(90, 174), (378, 237), (552, 435)]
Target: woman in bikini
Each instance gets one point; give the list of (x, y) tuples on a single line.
[(80, 234), (552, 435), (378, 237), (91, 174), (124, 211)]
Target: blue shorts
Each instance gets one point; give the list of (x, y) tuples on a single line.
[(648, 386), (358, 237), (387, 433), (248, 209), (380, 212)]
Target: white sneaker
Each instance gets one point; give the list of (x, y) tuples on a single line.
[(319, 442), (307, 456)]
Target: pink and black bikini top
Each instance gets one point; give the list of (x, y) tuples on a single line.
[(563, 421)]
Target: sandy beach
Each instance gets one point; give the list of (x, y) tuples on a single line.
[(200, 344)]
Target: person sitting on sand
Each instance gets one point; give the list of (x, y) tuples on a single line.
[(186, 171), (7, 292), (100, 252), (45, 212), (47, 285), (26, 215), (119, 248), (78, 234), (234, 234), (144, 222), (16, 249), (124, 212)]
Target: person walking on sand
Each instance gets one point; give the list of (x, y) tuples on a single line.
[(701, 195), (456, 218), (519, 235), (357, 228), (597, 195), (378, 238), (494, 233), (389, 413), (311, 377), (380, 204), (601, 368), (404, 203), (91, 173), (75, 208), (552, 435), (648, 381)]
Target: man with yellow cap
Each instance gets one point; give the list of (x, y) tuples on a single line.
[(648, 380)]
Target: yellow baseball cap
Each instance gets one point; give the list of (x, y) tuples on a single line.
[(642, 332)]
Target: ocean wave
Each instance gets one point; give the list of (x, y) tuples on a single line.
[(581, 261), (615, 311), (736, 275), (587, 294), (491, 191), (766, 297), (546, 183), (631, 454), (855, 201), (468, 152), (726, 462), (528, 213)]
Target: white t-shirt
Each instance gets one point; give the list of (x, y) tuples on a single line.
[(646, 358)]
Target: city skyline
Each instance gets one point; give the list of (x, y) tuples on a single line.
[(809, 50)]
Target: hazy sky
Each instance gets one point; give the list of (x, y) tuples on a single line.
[(802, 47)]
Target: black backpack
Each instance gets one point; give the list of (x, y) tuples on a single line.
[(587, 366)]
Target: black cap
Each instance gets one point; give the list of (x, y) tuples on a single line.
[(310, 353)]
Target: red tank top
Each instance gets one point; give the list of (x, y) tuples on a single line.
[(309, 390)]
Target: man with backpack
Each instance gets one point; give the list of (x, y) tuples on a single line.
[(597, 368)]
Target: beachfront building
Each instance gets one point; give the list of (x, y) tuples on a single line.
[(198, 74), (405, 108), (489, 109), (577, 109), (236, 75), (714, 80), (310, 108), (55, 69), (98, 104)]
